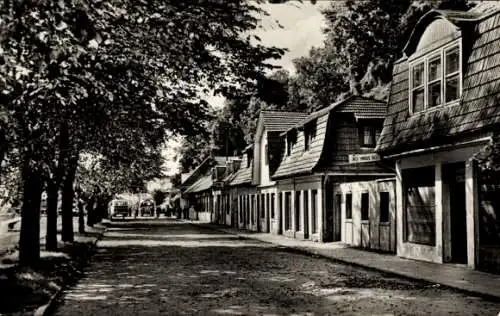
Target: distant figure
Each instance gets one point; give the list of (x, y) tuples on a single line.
[(192, 212)]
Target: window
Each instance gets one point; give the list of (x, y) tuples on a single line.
[(428, 86), (252, 210), (272, 205), (309, 134), (291, 138), (369, 135), (227, 204), (348, 206), (314, 197), (297, 211), (384, 207), (365, 207), (280, 203), (268, 208), (419, 215)]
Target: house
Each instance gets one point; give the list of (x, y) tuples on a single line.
[(268, 147), (443, 108), (198, 188), (316, 161), (241, 188)]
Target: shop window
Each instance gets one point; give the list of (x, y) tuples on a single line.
[(365, 206), (420, 222), (384, 207), (348, 206)]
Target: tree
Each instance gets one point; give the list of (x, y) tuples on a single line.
[(86, 63)]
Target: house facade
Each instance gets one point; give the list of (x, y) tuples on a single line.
[(442, 110), (268, 147), (316, 162), (198, 189)]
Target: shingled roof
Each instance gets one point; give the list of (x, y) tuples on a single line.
[(201, 178), (478, 109), (301, 161), (279, 121), (244, 174)]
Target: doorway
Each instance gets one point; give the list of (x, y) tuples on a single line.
[(455, 174), (337, 218)]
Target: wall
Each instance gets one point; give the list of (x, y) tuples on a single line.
[(441, 250), (305, 185), (371, 234)]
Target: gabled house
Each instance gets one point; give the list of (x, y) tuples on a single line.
[(316, 160), (268, 146), (244, 192), (197, 188), (444, 106)]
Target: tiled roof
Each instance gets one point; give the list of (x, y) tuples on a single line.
[(479, 107), (201, 168), (361, 107), (278, 121), (301, 161), (244, 174)]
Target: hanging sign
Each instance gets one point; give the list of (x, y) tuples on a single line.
[(360, 158)]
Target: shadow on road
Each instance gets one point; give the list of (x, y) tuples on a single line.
[(168, 267)]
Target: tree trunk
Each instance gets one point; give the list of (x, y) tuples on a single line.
[(29, 239), (51, 235), (81, 214), (68, 195)]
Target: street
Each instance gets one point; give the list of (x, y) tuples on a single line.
[(165, 267)]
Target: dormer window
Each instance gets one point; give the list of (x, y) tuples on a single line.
[(435, 78), (249, 157), (369, 132), (309, 134), (291, 138)]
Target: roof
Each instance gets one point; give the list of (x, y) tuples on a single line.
[(361, 107), (203, 183), (279, 121), (210, 161), (301, 161), (244, 174), (477, 111)]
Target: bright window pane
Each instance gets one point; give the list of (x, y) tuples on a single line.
[(434, 94), (418, 100), (418, 75), (452, 60), (368, 136), (435, 69), (452, 88)]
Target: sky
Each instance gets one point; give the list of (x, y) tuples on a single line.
[(302, 25)]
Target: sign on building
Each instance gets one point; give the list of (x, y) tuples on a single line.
[(360, 158)]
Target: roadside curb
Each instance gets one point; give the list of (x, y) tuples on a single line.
[(319, 253), (47, 308)]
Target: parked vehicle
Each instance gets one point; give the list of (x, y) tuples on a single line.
[(147, 208), (118, 208)]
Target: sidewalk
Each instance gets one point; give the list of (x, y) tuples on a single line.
[(453, 276)]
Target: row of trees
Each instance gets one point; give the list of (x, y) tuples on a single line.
[(90, 88), (362, 40)]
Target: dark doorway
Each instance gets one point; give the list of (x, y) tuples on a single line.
[(306, 214), (329, 206), (337, 218), (455, 175)]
